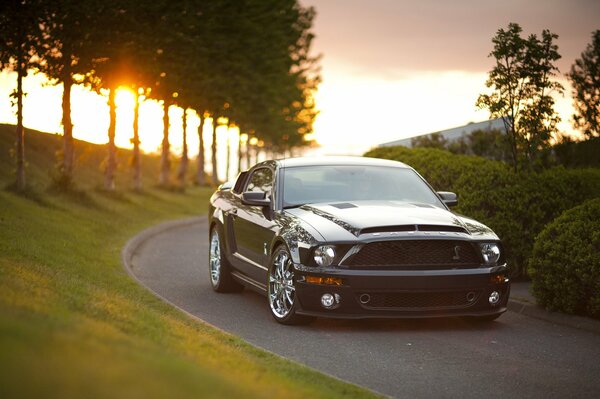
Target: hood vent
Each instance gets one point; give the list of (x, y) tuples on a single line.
[(452, 229), (389, 229), (413, 227), (344, 205)]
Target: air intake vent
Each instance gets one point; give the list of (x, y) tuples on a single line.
[(412, 227), (344, 205), (389, 229), (417, 255), (452, 229)]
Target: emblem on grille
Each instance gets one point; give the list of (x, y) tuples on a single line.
[(456, 253)]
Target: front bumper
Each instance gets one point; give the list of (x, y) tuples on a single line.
[(403, 294)]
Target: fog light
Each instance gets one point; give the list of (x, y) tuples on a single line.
[(324, 280), (497, 279), (494, 298), (328, 301)]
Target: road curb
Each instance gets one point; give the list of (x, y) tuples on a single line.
[(537, 312), (135, 242)]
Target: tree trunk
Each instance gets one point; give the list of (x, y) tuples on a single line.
[(200, 173), (215, 176), (228, 158), (20, 183), (136, 161), (240, 155), (66, 167), (183, 165), (248, 153), (111, 164), (512, 139), (165, 163)]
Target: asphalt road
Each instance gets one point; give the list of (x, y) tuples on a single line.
[(515, 356)]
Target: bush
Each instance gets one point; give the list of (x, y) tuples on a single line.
[(516, 206), (578, 154), (565, 262)]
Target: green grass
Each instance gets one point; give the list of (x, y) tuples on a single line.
[(74, 325)]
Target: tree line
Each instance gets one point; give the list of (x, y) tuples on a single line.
[(247, 62)]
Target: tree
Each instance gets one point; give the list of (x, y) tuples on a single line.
[(68, 56), (20, 42), (522, 85), (435, 140), (112, 44), (135, 154), (213, 150), (200, 175), (119, 36), (183, 164), (585, 79), (491, 144)]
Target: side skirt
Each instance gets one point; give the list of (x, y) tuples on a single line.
[(248, 282)]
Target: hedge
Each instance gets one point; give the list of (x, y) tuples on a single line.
[(565, 263), (516, 206)]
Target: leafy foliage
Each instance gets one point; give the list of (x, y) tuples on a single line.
[(522, 84), (585, 79), (490, 144), (565, 262), (435, 140), (246, 61), (577, 154), (516, 205)]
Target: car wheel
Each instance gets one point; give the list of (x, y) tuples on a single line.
[(281, 289), (219, 267)]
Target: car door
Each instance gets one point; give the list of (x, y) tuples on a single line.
[(253, 227)]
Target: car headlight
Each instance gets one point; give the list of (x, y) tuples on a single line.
[(324, 255), (491, 253)]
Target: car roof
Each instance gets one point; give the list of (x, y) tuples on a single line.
[(338, 160)]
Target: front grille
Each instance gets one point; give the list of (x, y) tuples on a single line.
[(416, 254), (420, 300)]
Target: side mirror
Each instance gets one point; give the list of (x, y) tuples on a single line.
[(255, 198), (450, 199), (225, 186)]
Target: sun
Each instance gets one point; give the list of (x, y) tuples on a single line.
[(125, 99)]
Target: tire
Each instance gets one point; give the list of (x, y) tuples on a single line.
[(281, 292), (219, 268)]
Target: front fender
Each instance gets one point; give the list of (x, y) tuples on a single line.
[(217, 214), (298, 241)]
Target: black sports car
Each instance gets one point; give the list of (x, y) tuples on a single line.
[(352, 237)]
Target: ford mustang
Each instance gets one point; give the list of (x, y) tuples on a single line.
[(352, 237)]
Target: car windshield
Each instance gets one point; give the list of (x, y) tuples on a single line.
[(331, 183)]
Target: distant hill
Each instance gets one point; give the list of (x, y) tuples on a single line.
[(40, 157)]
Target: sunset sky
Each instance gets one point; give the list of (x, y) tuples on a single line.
[(391, 69)]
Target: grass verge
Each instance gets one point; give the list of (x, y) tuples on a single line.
[(73, 324)]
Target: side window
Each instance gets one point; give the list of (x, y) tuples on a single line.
[(261, 180)]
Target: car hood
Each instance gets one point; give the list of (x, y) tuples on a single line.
[(347, 221)]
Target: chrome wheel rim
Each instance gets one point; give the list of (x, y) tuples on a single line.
[(281, 285), (214, 259)]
